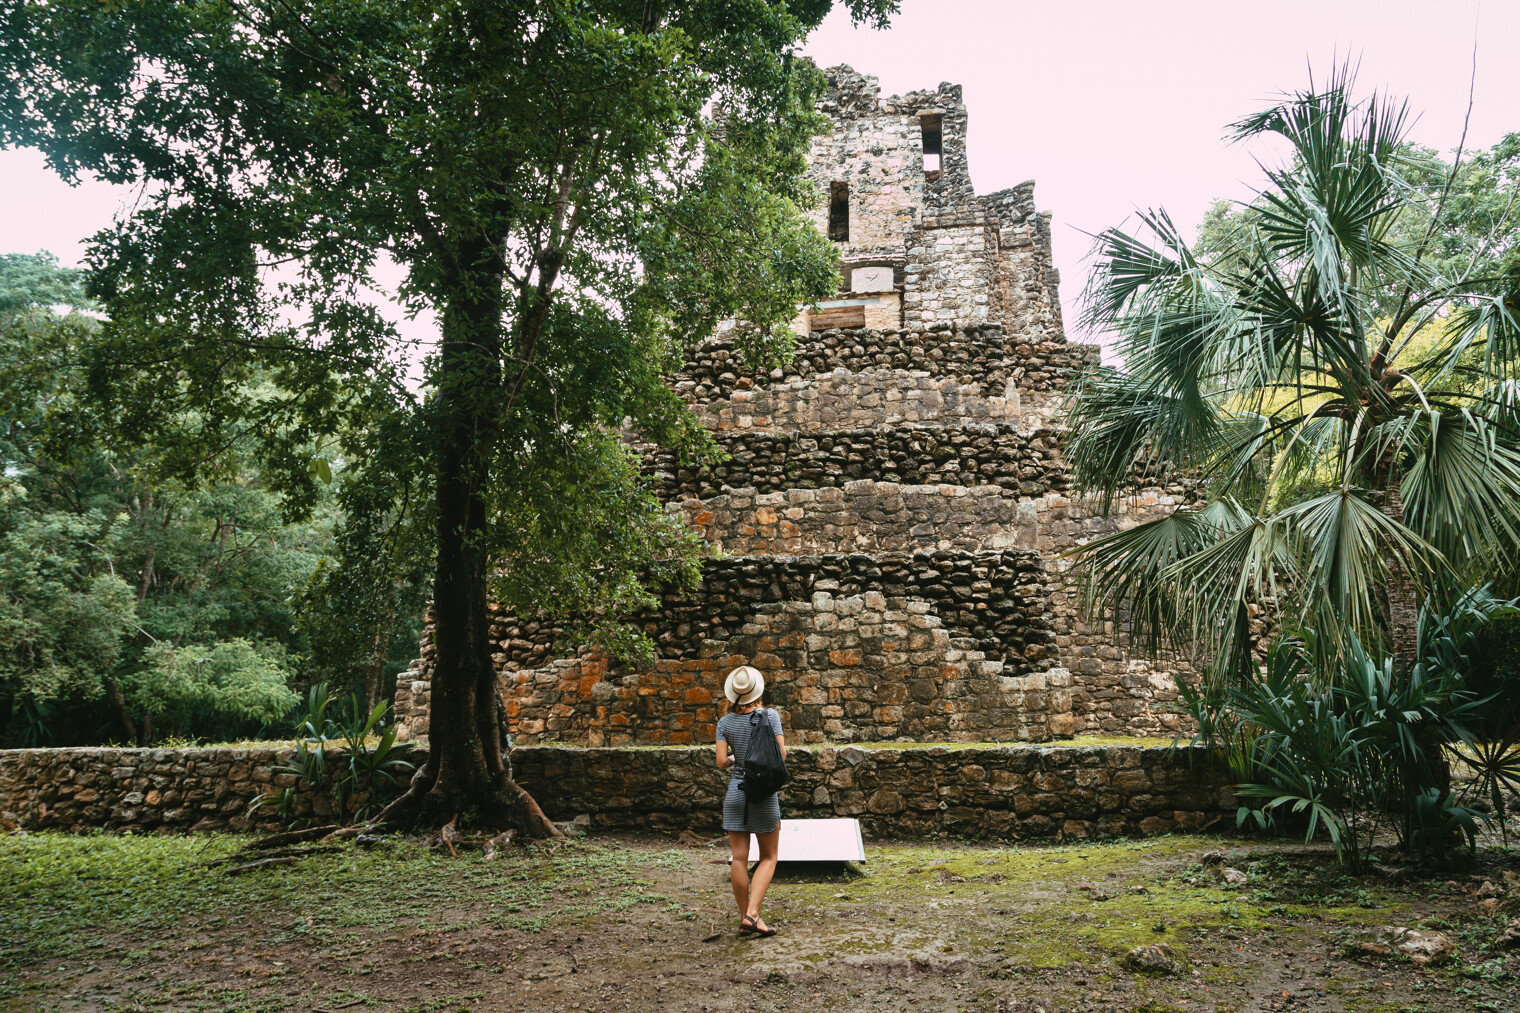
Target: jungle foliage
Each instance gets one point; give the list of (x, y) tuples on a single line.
[(1338, 360), (135, 606)]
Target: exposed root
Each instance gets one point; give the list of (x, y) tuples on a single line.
[(261, 863), (506, 805), (291, 837), (292, 853)]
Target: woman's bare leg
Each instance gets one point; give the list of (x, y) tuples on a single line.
[(738, 868), (764, 870)]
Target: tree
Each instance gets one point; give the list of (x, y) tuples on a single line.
[(362, 610), (1339, 360), (129, 606), (577, 188)]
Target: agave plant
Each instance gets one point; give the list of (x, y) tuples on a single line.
[(360, 768), (1348, 396), (1367, 752)]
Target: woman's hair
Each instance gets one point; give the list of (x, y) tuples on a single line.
[(759, 701)]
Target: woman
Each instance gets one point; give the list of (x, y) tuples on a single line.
[(743, 687)]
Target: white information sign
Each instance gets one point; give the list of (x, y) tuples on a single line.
[(836, 840)]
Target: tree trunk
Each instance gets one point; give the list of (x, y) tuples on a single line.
[(120, 699), (1399, 600), (372, 673), (466, 769)]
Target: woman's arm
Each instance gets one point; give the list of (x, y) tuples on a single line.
[(724, 760), (775, 720)]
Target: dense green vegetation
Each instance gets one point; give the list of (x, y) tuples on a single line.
[(1337, 360), (137, 606), (577, 190)]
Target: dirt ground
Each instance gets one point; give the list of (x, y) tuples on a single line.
[(624, 923)]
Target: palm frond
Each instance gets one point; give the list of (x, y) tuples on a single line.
[(1129, 269), (1344, 544), (1462, 490), (1127, 575), (1117, 420)]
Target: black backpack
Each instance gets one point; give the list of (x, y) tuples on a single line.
[(764, 767)]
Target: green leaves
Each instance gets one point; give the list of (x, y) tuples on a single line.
[(1358, 746), (63, 614), (234, 678), (1317, 355)]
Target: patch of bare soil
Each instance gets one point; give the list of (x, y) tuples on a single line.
[(637, 924)]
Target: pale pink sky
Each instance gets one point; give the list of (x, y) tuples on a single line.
[(1108, 105)]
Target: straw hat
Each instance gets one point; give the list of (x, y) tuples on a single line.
[(743, 685)]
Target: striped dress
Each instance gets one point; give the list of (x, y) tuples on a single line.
[(763, 816)]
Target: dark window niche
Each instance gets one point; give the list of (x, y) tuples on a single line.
[(839, 212), (933, 131)]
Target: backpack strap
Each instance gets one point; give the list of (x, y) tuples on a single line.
[(747, 742)]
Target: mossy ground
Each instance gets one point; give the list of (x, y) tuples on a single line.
[(117, 923)]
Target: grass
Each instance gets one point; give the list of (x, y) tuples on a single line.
[(146, 916), (1134, 902), (66, 897)]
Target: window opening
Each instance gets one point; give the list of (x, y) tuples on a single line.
[(931, 125), (839, 212)]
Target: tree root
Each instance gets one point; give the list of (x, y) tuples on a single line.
[(291, 837), (281, 860), (275, 853), (506, 805)]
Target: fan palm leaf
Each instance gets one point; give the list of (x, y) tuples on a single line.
[(1359, 395)]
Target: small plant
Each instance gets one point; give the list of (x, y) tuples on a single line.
[(348, 771), (1367, 749)]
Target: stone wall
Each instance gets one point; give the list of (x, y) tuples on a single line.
[(876, 517), (952, 273), (997, 599), (969, 455), (843, 400), (861, 668), (973, 354), (948, 646), (156, 790), (1010, 793)]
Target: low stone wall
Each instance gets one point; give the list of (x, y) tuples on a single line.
[(157, 790), (1003, 792), (1016, 792)]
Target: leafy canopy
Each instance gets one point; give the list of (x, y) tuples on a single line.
[(129, 606), (577, 188)]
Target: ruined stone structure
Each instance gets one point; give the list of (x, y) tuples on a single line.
[(887, 522)]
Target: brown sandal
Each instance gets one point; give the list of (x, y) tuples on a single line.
[(751, 927)]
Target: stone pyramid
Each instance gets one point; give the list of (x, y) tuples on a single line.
[(888, 521)]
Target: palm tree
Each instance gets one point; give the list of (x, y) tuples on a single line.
[(1349, 397)]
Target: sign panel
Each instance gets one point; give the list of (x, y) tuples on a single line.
[(871, 279), (833, 840)]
